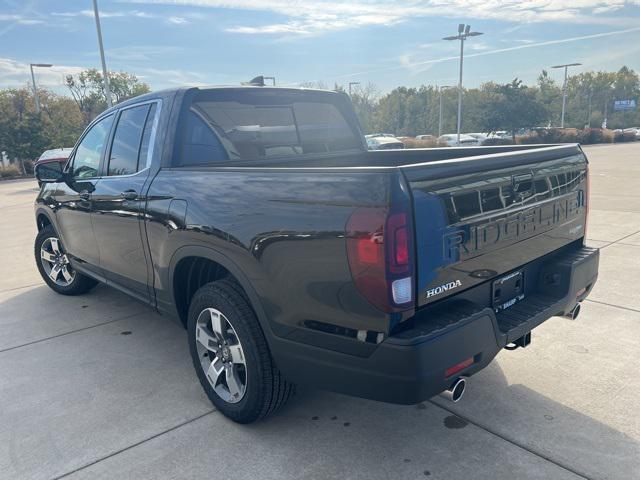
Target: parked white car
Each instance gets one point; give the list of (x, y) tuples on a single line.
[(465, 140), (481, 137), (635, 130), (383, 143), (426, 137)]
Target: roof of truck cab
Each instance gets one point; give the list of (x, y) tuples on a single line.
[(170, 92)]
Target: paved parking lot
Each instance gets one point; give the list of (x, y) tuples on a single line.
[(99, 386)]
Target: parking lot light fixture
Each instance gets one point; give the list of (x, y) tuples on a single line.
[(464, 32), (564, 88), (33, 80)]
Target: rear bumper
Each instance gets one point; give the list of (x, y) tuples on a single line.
[(409, 367)]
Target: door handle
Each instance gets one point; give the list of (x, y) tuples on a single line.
[(84, 195), (129, 194)]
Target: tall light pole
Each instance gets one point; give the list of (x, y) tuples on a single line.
[(33, 79), (440, 110), (105, 74), (564, 88), (464, 32), (352, 83)]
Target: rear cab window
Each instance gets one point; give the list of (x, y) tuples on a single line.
[(226, 125)]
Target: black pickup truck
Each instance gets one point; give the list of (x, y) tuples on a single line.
[(292, 255)]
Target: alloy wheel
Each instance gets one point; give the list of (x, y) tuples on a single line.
[(56, 263), (221, 355)]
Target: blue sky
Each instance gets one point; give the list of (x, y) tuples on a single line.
[(388, 43)]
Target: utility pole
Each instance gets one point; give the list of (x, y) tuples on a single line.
[(33, 80), (105, 74), (464, 32), (564, 88)]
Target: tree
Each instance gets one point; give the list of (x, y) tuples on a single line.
[(365, 100), (510, 107), (25, 134), (87, 89)]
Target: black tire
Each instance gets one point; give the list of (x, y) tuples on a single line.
[(266, 389), (80, 283)]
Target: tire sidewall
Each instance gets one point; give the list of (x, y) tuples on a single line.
[(223, 299)]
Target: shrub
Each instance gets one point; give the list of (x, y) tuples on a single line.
[(413, 143), (608, 136), (10, 171), (590, 135)]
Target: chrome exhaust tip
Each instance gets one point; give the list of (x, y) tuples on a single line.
[(455, 393), (574, 312)]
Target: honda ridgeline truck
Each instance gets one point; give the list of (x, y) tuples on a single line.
[(292, 255)]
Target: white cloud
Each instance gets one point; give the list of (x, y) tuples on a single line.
[(413, 65), (126, 14), (14, 73), (105, 14), (19, 19), (177, 20), (306, 17)]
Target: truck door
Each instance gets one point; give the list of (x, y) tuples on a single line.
[(119, 200), (74, 196)]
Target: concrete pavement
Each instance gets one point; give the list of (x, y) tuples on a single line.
[(99, 386)]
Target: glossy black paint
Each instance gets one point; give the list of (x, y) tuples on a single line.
[(278, 226)]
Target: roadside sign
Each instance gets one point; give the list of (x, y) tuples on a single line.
[(624, 105)]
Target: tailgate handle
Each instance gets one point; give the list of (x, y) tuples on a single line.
[(523, 183)]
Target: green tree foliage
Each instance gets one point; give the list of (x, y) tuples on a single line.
[(25, 134), (510, 107), (590, 98), (87, 89)]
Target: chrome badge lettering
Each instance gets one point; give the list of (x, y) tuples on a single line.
[(443, 288)]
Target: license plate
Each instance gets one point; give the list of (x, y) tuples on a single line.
[(507, 291)]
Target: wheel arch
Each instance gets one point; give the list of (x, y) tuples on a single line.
[(43, 219), (186, 254)]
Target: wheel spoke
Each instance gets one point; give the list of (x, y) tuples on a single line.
[(233, 382), (210, 342), (54, 245), (67, 274), (216, 324), (213, 373), (46, 256), (55, 271), (237, 355)]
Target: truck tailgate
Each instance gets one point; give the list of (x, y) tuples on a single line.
[(478, 218)]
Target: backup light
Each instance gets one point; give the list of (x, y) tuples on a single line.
[(401, 290)]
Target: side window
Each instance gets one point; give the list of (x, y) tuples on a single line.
[(124, 158), (146, 137), (86, 160), (200, 145)]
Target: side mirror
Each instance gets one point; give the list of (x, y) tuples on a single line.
[(50, 172)]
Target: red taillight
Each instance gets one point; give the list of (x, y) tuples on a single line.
[(379, 249)]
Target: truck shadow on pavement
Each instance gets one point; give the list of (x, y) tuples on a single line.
[(84, 378)]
